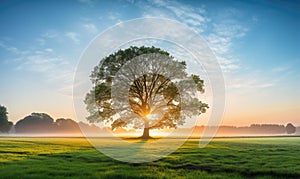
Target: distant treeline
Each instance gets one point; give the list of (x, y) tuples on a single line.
[(254, 129), (39, 123), (43, 123)]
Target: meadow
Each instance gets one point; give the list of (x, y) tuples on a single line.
[(268, 157)]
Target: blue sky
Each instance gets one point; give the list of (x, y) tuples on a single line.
[(256, 42)]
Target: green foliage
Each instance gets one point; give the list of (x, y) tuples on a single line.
[(5, 125), (3, 114), (269, 157), (149, 93)]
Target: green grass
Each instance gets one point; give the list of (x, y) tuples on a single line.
[(222, 158)]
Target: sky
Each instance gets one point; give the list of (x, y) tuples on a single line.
[(256, 44)]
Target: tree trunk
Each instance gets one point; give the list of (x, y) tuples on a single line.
[(146, 131)]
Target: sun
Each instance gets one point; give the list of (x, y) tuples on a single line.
[(150, 116)]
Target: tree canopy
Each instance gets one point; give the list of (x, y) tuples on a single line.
[(5, 125), (143, 87), (290, 128), (36, 122), (44, 123)]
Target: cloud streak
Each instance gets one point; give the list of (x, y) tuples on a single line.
[(55, 69), (90, 28), (12, 49), (45, 62), (219, 36), (74, 37), (221, 32)]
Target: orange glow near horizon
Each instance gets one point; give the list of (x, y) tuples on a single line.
[(239, 111)]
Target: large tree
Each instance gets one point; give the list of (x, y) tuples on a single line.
[(155, 95), (5, 125)]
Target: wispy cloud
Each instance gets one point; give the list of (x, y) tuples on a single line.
[(191, 16), (113, 16), (74, 37), (50, 34), (218, 34), (12, 49), (41, 41), (221, 41), (43, 61), (281, 69), (224, 32), (45, 57), (250, 84), (55, 69), (90, 28), (87, 2), (221, 32), (9, 48), (49, 50)]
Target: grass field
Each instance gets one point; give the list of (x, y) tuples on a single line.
[(274, 157)]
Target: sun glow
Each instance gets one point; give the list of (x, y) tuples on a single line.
[(151, 116)]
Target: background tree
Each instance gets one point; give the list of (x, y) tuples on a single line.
[(154, 97), (41, 123), (35, 123), (5, 125), (290, 128), (67, 126)]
